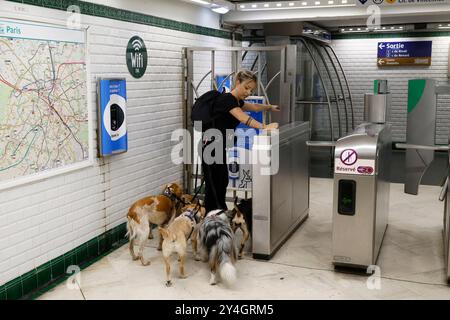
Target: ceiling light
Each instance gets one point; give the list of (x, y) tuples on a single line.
[(291, 4), (266, 5), (330, 2), (304, 3), (200, 1), (221, 10), (254, 6), (242, 6), (278, 4), (344, 1), (317, 3)]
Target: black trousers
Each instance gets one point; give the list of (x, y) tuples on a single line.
[(216, 182)]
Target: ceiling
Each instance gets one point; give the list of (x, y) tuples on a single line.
[(333, 18)]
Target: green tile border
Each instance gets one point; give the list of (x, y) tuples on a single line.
[(48, 275), (103, 11), (342, 36)]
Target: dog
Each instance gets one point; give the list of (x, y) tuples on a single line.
[(216, 239), (177, 234), (159, 210), (242, 219)]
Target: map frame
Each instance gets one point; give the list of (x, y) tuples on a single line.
[(44, 175)]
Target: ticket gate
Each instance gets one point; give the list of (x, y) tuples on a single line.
[(281, 195), (361, 195), (420, 147), (446, 232)]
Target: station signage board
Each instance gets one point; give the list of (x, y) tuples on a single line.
[(408, 53)]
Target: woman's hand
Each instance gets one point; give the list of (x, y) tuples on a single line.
[(273, 108), (271, 126)]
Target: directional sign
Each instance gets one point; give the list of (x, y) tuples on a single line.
[(416, 53)]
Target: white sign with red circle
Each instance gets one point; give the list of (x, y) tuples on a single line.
[(349, 163), (349, 157)]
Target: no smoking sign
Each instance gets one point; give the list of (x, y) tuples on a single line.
[(349, 157)]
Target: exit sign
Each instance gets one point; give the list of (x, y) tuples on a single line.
[(410, 53)]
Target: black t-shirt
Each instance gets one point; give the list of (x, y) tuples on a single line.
[(224, 103)]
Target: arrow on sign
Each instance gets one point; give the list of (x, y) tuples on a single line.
[(381, 61), (381, 46)]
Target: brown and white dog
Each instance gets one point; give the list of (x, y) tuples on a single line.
[(177, 234), (159, 210)]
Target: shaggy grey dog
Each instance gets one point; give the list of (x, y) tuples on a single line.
[(216, 238)]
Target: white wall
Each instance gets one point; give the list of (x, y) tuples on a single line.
[(43, 220), (359, 60), (170, 9)]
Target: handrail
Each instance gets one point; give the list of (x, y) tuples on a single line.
[(332, 86), (346, 82), (202, 79), (342, 89), (271, 80), (324, 87), (321, 144)]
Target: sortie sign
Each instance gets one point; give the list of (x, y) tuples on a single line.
[(410, 53)]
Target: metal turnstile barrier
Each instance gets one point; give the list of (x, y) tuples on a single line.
[(280, 199), (420, 147), (446, 232), (361, 195)]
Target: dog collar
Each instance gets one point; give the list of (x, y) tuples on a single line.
[(190, 214), (172, 196)]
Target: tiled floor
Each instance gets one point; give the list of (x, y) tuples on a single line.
[(411, 262)]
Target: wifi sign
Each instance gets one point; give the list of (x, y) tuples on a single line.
[(136, 57)]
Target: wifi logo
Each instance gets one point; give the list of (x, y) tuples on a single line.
[(136, 56), (137, 44)]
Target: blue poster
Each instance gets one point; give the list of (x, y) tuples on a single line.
[(239, 165), (223, 83), (247, 143), (112, 116)]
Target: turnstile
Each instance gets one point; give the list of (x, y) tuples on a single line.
[(281, 196), (420, 146), (361, 195), (446, 232)]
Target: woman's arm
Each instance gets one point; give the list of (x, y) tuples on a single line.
[(246, 119), (259, 107)]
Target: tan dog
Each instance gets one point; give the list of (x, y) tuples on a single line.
[(242, 219), (159, 210), (177, 234)]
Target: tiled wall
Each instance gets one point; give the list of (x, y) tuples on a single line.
[(359, 60), (44, 220)]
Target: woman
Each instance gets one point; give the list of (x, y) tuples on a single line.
[(230, 111)]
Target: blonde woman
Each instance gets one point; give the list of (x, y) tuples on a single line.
[(229, 110)]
